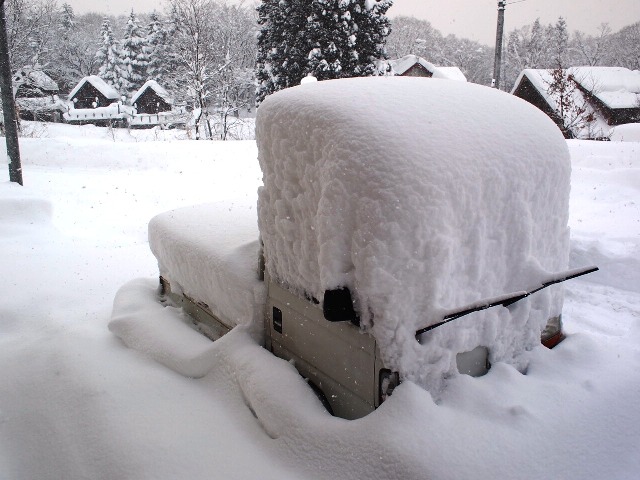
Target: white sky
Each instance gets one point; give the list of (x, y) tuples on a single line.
[(475, 19)]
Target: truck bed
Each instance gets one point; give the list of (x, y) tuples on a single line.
[(209, 253)]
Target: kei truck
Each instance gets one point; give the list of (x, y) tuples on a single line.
[(408, 229)]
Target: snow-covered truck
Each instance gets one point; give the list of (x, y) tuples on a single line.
[(394, 213)]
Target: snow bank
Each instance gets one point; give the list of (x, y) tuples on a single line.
[(113, 111), (19, 206), (159, 331), (608, 175), (628, 132), (210, 252), (92, 408), (365, 186)]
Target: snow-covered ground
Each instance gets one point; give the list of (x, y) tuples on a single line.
[(76, 403)]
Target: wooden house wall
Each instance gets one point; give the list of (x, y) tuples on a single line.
[(417, 70), (151, 102)]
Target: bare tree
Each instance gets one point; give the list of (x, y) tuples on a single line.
[(625, 47), (31, 31), (471, 57), (214, 43), (410, 35), (592, 50), (573, 112)]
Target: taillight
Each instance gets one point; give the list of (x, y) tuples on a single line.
[(552, 333)]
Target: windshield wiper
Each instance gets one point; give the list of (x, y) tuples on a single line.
[(509, 298)]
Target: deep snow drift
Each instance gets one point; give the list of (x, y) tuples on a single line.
[(75, 403), (364, 187)]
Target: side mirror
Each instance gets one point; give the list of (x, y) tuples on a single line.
[(337, 306)]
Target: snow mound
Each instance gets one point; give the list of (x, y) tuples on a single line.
[(158, 331), (420, 196), (628, 132), (18, 206)]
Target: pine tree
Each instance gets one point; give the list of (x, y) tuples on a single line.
[(67, 30), (158, 53), (134, 57), (108, 56), (324, 38), (559, 38), (282, 45)]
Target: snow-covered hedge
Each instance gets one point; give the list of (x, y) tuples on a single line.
[(420, 195)]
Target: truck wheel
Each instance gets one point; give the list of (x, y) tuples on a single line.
[(321, 396)]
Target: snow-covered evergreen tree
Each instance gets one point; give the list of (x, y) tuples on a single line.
[(323, 38), (283, 48), (108, 56), (559, 42), (134, 56), (347, 37), (159, 57)]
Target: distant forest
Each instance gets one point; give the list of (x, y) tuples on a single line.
[(211, 50)]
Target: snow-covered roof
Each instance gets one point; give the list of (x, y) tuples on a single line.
[(156, 87), (616, 87), (420, 196), (401, 65), (42, 104), (36, 78), (103, 87), (450, 73)]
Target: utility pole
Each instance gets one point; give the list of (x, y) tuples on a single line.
[(8, 104), (495, 83)]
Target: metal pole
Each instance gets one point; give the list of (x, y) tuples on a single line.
[(8, 104), (498, 59)]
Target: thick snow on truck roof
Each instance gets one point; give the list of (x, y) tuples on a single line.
[(420, 196)]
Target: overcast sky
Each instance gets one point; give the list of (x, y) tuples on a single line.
[(475, 19)]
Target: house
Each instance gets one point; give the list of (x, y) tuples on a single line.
[(36, 96), (155, 107), (32, 83), (415, 66), (596, 98), (152, 98), (93, 92)]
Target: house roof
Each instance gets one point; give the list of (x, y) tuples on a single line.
[(103, 87), (35, 78), (616, 87), (450, 73), (155, 86), (402, 65)]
